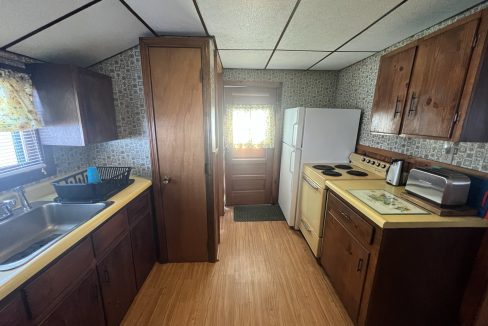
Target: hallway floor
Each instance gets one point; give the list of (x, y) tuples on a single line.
[(266, 275)]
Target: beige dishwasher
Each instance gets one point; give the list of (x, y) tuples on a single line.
[(311, 207)]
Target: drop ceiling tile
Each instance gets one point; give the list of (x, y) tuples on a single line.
[(407, 20), (295, 59), (246, 24), (326, 24), (19, 18), (87, 37), (169, 16), (246, 59), (341, 60)]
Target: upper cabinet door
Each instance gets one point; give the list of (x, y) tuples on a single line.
[(391, 91), (437, 81)]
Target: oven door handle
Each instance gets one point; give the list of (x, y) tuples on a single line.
[(314, 186)]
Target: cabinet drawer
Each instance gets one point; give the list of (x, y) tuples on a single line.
[(47, 287), (352, 221), (110, 231), (139, 207)]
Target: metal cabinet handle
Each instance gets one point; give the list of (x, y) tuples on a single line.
[(360, 265), (307, 227), (345, 216), (310, 183), (106, 276), (165, 180), (413, 104), (397, 110)]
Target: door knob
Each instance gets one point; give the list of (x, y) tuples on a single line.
[(166, 180)]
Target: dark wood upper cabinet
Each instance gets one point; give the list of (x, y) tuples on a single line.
[(391, 91), (76, 104), (445, 88), (437, 81)]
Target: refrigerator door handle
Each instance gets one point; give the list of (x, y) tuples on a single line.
[(292, 154), (294, 131)]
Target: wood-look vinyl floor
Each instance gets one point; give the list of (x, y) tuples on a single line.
[(266, 275)]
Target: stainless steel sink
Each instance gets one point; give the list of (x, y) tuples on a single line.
[(27, 234)]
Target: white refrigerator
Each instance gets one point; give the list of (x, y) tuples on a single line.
[(312, 135)]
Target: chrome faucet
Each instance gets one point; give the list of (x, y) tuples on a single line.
[(6, 208), (23, 199)]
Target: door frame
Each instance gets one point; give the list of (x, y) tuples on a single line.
[(278, 127)]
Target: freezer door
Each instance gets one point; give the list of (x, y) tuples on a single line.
[(289, 173), (292, 126)]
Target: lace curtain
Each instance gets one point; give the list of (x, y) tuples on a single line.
[(16, 107), (249, 126)]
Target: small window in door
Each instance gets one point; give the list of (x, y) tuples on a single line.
[(250, 126)]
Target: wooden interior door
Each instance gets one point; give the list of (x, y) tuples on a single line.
[(345, 261), (175, 77), (252, 174), (437, 82), (391, 91)]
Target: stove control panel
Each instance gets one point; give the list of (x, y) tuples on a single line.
[(369, 164)]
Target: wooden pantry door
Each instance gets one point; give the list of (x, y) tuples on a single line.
[(252, 174), (179, 148)]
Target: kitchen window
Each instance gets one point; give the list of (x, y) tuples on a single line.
[(22, 158)]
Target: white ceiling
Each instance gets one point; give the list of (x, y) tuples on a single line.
[(341, 32)]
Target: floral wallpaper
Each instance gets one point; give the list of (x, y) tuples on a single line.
[(300, 88), (356, 86)]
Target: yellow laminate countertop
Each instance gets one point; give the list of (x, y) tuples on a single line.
[(12, 279), (431, 220)]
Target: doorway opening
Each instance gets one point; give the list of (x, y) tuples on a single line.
[(252, 138)]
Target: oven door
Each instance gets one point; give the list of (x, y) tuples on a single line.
[(311, 213)]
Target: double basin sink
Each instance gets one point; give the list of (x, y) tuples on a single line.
[(26, 234)]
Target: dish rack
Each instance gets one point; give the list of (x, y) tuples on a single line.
[(76, 189)]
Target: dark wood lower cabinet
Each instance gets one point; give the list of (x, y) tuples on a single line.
[(95, 281), (345, 261), (411, 276), (82, 307), (117, 281), (143, 250)]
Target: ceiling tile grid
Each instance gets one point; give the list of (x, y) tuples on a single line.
[(22, 17), (246, 24), (341, 60), (326, 24), (407, 20), (87, 37), (245, 59), (169, 17), (299, 60)]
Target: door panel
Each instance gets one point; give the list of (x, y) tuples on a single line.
[(391, 91), (248, 176), (179, 122), (288, 193), (345, 261), (437, 81)]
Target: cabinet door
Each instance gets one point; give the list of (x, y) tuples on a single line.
[(82, 307), (143, 248), (391, 91), (116, 273), (95, 96), (437, 81), (13, 312), (345, 261)]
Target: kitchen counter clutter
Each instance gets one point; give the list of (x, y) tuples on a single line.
[(111, 254), (430, 220)]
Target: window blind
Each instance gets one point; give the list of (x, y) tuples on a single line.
[(20, 152)]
